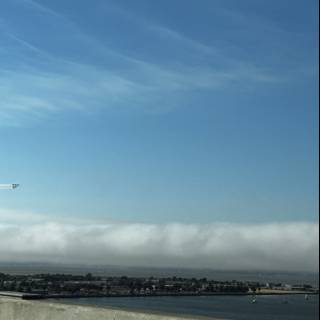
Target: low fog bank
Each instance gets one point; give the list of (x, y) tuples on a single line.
[(274, 246)]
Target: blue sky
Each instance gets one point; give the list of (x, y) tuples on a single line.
[(160, 111)]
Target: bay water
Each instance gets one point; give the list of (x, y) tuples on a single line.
[(275, 307)]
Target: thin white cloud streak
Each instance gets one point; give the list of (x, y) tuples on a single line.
[(33, 94), (273, 246), (183, 40), (44, 9), (27, 45), (29, 94)]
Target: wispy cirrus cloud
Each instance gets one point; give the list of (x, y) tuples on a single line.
[(35, 82), (34, 93), (270, 246), (31, 93), (43, 9)]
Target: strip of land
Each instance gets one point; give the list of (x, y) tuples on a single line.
[(46, 286)]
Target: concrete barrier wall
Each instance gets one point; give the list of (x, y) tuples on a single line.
[(17, 309)]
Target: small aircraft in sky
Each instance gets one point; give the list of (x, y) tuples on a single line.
[(8, 186)]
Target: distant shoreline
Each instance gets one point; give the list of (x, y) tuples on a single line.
[(26, 296), (186, 294)]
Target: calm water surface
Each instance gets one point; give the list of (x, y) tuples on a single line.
[(238, 308)]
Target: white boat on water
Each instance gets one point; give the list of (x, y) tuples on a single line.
[(254, 299)]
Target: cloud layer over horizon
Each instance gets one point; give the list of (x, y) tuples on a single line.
[(271, 246)]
